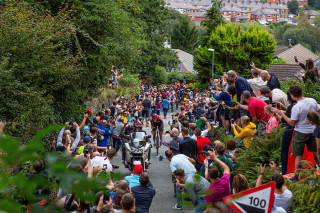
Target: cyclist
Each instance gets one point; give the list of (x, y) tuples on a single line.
[(156, 122)]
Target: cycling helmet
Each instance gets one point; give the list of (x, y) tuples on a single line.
[(85, 128)]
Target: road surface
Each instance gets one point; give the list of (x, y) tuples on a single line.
[(160, 176)]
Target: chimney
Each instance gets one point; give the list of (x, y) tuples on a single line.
[(290, 45)]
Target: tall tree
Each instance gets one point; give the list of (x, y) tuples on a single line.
[(293, 6), (233, 48), (184, 35), (213, 19)]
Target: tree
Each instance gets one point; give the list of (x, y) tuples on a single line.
[(233, 48), (293, 6), (184, 35), (316, 20), (160, 76), (38, 70), (213, 19)]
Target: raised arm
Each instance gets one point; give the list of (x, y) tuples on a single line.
[(59, 139), (77, 140), (83, 123), (260, 178), (224, 167), (257, 69)]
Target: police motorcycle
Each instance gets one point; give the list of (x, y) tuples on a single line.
[(137, 146)]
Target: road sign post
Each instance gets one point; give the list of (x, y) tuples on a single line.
[(255, 200)]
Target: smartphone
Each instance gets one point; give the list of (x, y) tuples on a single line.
[(106, 197), (232, 121), (250, 62), (296, 59)]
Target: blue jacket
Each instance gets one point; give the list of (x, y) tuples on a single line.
[(241, 85), (224, 97), (105, 132), (165, 103)]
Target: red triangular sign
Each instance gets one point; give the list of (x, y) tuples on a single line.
[(255, 200)]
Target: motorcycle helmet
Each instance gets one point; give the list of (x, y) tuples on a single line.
[(138, 125)]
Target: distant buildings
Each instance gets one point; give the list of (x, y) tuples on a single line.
[(234, 10)]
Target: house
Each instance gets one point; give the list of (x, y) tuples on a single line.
[(311, 13), (198, 17), (197, 3), (303, 3), (186, 61), (183, 7), (230, 12), (265, 14)]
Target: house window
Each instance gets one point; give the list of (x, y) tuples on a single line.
[(269, 16), (234, 13), (230, 13)]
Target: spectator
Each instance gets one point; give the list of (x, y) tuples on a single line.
[(180, 161), (287, 136), (314, 118), (231, 147), (143, 194), (220, 187), (257, 83), (241, 85), (127, 204), (303, 134), (256, 110), (105, 160), (197, 111), (174, 143), (146, 105), (113, 108), (246, 133), (133, 179), (234, 109), (188, 146), (273, 82), (225, 111), (117, 199), (276, 96), (204, 133), (239, 183), (220, 148), (311, 70), (274, 119), (195, 187), (165, 106), (283, 196), (117, 131), (65, 135), (123, 185), (201, 141)]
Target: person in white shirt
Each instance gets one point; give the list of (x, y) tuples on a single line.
[(204, 133), (105, 160), (276, 95), (303, 134), (257, 83)]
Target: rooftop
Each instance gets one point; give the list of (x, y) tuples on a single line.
[(311, 12), (283, 71), (264, 12), (300, 51), (181, 5), (186, 59)]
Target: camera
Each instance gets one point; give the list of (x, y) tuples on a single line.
[(85, 151), (71, 123), (205, 152), (233, 104), (295, 59), (265, 161), (275, 105), (174, 180)]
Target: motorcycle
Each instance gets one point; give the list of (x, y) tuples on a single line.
[(136, 150)]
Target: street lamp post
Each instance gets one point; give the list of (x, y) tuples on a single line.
[(212, 50)]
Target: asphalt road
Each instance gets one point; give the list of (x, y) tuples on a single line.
[(160, 176)]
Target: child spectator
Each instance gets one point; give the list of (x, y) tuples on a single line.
[(274, 119), (314, 119)]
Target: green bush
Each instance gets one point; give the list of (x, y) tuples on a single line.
[(175, 76), (160, 76), (279, 61)]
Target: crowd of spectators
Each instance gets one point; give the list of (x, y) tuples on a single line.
[(201, 168)]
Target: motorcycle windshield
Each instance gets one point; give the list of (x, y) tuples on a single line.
[(138, 135)]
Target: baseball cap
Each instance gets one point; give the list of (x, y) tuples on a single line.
[(85, 128), (138, 169), (253, 71), (264, 90), (86, 139)]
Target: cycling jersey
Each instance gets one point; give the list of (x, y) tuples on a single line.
[(157, 120)]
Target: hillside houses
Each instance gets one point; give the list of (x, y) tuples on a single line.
[(234, 10)]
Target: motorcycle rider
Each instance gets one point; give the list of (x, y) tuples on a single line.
[(156, 122)]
